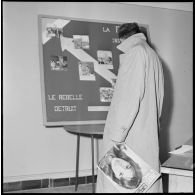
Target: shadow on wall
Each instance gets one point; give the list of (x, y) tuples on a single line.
[(166, 115), (167, 109), (165, 121)]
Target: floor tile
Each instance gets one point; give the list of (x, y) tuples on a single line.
[(82, 188), (31, 184), (60, 182), (14, 186)]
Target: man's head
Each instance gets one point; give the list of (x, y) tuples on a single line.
[(128, 29)]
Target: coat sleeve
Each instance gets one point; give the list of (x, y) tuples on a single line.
[(128, 95)]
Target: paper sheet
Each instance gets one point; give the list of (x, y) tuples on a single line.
[(182, 149)]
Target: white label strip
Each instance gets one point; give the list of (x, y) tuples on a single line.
[(98, 108)]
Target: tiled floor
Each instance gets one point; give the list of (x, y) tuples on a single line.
[(82, 188)]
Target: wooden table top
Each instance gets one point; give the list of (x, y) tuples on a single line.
[(95, 129)]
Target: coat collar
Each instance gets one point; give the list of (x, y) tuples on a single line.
[(131, 41)]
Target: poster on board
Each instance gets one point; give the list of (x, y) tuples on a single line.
[(79, 63)]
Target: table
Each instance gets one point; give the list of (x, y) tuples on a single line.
[(180, 171), (90, 130)]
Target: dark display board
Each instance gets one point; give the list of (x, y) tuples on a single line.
[(79, 64)]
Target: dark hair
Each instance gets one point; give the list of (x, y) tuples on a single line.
[(128, 29), (129, 184)]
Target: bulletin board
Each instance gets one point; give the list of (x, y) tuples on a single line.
[(79, 63)]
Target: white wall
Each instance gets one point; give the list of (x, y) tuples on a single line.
[(185, 6), (30, 149)]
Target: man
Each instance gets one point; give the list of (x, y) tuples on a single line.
[(136, 105)]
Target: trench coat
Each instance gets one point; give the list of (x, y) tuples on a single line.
[(136, 106)]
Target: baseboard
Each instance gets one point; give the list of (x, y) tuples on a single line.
[(48, 180), (53, 175)]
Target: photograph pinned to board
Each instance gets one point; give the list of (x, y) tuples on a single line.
[(53, 30), (86, 71), (104, 57), (106, 94), (59, 63), (126, 171), (81, 41)]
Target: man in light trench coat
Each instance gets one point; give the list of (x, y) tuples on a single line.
[(136, 105)]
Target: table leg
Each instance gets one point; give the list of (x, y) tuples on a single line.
[(77, 161), (92, 150)]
